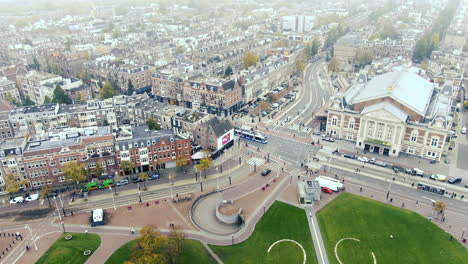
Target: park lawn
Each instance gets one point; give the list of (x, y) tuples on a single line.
[(281, 221), (122, 254), (415, 239), (193, 252), (71, 251)]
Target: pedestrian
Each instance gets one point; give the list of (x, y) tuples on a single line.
[(417, 202), (342, 180), (391, 200), (403, 205), (443, 219), (463, 196), (360, 189), (451, 238)]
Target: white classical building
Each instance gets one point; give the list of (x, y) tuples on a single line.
[(395, 112)]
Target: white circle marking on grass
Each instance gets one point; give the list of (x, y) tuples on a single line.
[(350, 238), (290, 240)]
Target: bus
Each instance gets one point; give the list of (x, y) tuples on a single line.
[(330, 183), (106, 184), (430, 188), (251, 135), (90, 186)]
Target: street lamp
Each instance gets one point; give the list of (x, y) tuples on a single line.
[(63, 226), (32, 236), (113, 197), (139, 194), (217, 178), (56, 206)]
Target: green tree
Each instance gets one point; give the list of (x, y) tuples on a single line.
[(388, 31), (263, 105), (300, 65), (440, 206), (12, 183), (12, 100), (315, 47), (272, 98), (364, 57), (47, 100), (60, 96), (130, 88), (126, 166), (279, 44), (153, 247), (98, 170), (36, 65), (74, 172), (249, 59), (181, 161), (107, 91), (27, 101), (205, 163), (153, 124), (334, 65), (144, 177), (80, 96), (228, 71)]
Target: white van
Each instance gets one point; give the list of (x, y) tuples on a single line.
[(418, 172), (463, 131)]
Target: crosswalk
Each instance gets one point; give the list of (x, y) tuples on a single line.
[(256, 161), (292, 126)]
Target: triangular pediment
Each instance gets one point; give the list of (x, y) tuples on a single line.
[(383, 114)]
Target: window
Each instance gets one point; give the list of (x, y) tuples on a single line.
[(434, 142), (349, 136), (334, 121), (370, 129), (389, 133), (414, 136), (380, 128), (351, 123), (411, 149), (431, 154)]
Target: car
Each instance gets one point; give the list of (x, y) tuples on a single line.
[(454, 180), (466, 185), (32, 197), (52, 194), (327, 190), (438, 177), (137, 179), (122, 182), (349, 156), (329, 139), (372, 161), (363, 159), (417, 172), (463, 130), (155, 176), (380, 163), (265, 172), (16, 200)]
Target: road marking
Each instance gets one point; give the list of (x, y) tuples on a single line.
[(350, 238), (293, 241)]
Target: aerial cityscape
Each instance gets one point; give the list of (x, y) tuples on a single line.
[(233, 131)]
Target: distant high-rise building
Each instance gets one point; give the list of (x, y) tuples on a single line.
[(299, 24)]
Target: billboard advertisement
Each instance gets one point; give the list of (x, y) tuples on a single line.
[(226, 138)]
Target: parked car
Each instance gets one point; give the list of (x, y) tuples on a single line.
[(463, 130), (454, 180), (380, 163), (52, 194), (363, 159), (265, 172), (16, 200), (372, 160), (439, 177), (32, 197), (122, 182), (349, 156), (329, 139), (327, 190), (137, 179), (155, 176)]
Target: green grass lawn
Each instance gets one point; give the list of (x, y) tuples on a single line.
[(415, 239), (70, 252), (193, 252), (282, 221)]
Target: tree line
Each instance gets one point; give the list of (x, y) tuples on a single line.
[(431, 39)]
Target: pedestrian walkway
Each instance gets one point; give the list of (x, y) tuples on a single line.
[(316, 235)]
